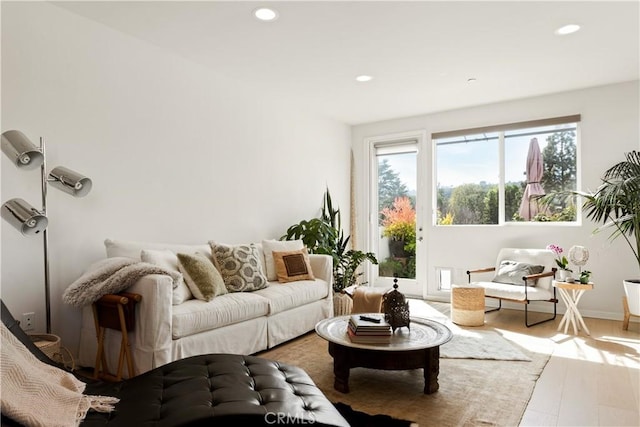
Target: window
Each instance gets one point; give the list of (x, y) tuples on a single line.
[(494, 175)]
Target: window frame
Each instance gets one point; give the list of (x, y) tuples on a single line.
[(501, 130)]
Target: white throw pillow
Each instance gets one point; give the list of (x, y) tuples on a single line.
[(169, 260), (271, 246)]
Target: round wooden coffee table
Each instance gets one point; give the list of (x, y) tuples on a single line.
[(410, 348)]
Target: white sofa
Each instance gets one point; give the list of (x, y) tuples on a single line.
[(236, 322)]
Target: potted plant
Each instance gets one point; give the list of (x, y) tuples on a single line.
[(616, 205), (564, 272), (399, 224), (324, 235)]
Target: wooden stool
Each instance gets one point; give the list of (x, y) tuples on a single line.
[(467, 305), (114, 312)]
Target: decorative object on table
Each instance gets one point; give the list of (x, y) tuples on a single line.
[(24, 217), (564, 272), (578, 255), (616, 204), (395, 307), (585, 276), (369, 328)]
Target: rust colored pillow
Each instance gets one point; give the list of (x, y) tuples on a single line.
[(292, 266)]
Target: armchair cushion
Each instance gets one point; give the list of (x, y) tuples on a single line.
[(511, 272)]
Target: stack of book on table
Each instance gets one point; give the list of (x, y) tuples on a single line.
[(369, 329)]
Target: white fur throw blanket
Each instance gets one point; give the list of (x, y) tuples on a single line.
[(110, 276), (37, 394)]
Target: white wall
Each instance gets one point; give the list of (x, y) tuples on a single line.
[(176, 153), (609, 128)]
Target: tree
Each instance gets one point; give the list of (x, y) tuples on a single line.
[(512, 197), (389, 185), (559, 164), (467, 203)]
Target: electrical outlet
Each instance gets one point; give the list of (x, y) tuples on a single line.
[(28, 321)]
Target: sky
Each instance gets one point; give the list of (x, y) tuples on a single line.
[(473, 162)]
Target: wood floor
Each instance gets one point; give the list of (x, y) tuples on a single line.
[(589, 380)]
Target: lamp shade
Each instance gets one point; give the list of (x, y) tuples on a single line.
[(69, 181), (20, 150), (24, 217)]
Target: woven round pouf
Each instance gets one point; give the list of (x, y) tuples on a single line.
[(467, 305)]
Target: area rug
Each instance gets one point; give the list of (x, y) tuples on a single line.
[(488, 345), (473, 392), (361, 419)]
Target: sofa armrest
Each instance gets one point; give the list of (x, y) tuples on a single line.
[(322, 267), (152, 332)]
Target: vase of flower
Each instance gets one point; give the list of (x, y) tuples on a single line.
[(564, 272)]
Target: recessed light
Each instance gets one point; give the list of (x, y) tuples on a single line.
[(265, 14), (364, 78), (567, 29)]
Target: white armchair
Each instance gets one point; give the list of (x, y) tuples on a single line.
[(522, 276)]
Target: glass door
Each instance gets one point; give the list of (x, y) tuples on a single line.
[(395, 230)]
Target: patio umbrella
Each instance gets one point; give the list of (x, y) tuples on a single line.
[(529, 207)]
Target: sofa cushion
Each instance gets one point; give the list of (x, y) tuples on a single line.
[(270, 246), (292, 266), (195, 316), (239, 265), (169, 260), (202, 277), (283, 296), (132, 249)]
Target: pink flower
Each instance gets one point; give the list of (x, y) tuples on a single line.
[(555, 248), (562, 261)]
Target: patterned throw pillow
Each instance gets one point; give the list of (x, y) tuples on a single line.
[(292, 266), (271, 246), (512, 272), (240, 266), (204, 281)]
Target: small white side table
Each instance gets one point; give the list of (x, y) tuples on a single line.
[(571, 294)]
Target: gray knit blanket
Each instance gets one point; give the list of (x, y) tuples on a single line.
[(110, 276)]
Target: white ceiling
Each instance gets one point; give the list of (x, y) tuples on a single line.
[(421, 53)]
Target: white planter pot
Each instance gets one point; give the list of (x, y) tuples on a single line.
[(632, 291), (563, 275)]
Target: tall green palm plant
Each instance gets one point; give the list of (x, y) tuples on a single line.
[(616, 203)]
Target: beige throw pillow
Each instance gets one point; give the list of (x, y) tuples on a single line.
[(240, 266), (169, 260), (271, 246), (292, 266), (202, 277)]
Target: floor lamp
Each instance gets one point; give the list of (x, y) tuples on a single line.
[(24, 217)]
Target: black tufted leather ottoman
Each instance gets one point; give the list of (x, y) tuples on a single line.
[(208, 390), (217, 389)]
